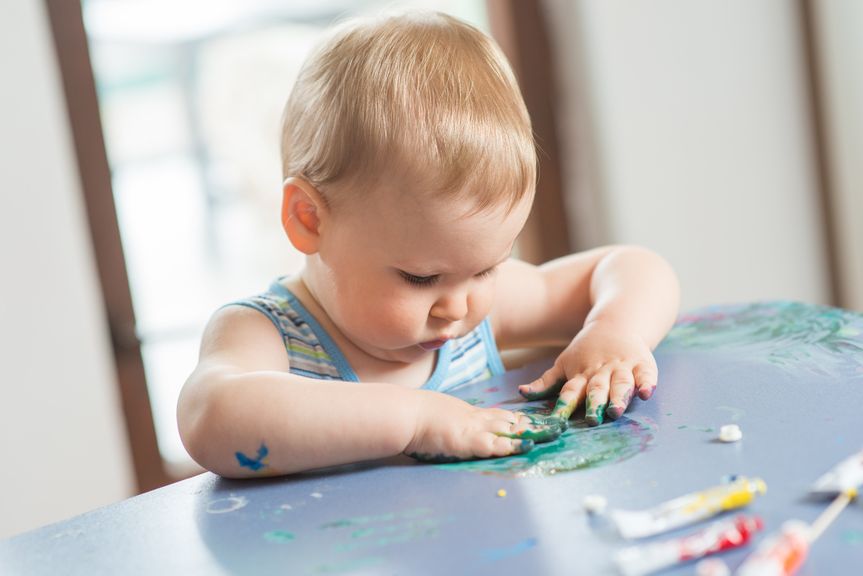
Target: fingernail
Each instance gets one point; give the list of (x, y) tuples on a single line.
[(614, 412), (525, 389), (645, 395), (525, 446), (594, 414)]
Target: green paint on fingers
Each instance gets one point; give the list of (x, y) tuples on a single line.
[(548, 421), (539, 435), (555, 389), (563, 409), (594, 412), (524, 446)]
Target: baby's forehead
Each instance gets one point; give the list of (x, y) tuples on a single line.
[(424, 197)]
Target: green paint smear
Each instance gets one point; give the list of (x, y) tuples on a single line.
[(279, 536), (787, 334), (696, 428), (377, 518), (579, 448), (853, 537)]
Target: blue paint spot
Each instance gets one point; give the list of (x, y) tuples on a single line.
[(253, 463), (495, 554)]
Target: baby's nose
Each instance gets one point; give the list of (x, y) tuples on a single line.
[(452, 308)]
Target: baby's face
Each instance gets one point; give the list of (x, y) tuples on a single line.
[(400, 276)]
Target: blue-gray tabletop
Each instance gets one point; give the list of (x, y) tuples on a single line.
[(790, 375)]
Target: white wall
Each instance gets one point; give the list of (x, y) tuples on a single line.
[(63, 447), (692, 132), (840, 36)]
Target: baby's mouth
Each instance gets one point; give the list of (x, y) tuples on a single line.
[(433, 344)]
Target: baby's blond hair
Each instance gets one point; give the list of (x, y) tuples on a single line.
[(422, 96)]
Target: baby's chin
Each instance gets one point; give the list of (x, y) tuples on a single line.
[(401, 355)]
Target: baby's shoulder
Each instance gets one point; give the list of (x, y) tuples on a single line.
[(242, 337), (234, 322)]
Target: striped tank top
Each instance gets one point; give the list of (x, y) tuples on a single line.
[(312, 353)]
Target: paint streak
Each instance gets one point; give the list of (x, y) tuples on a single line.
[(349, 565), (579, 448), (279, 536), (254, 464), (790, 335), (386, 517), (224, 505), (384, 536), (706, 429), (474, 401), (495, 554), (384, 530), (853, 537), (492, 389)]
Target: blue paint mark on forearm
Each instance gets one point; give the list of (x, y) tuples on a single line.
[(254, 464)]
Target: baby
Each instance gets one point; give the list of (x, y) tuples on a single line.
[(409, 168)]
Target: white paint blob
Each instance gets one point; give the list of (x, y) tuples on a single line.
[(224, 505), (730, 433)]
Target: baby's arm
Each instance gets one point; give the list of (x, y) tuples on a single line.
[(610, 307), (241, 413)]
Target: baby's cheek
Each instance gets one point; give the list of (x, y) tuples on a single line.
[(397, 320), (480, 302)]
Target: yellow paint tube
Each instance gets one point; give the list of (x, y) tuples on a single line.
[(687, 509)]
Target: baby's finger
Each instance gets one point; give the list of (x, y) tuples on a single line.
[(570, 396), (549, 384), (538, 434), (597, 397), (544, 430), (646, 376), (509, 447), (545, 420), (622, 386)]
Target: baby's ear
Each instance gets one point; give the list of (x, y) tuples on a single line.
[(302, 208)]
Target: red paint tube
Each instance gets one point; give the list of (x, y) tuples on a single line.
[(717, 537)]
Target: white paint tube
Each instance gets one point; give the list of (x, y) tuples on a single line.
[(846, 475)]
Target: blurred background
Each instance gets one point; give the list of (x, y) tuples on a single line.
[(141, 186)]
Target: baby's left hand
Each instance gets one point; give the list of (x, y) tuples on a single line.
[(603, 364)]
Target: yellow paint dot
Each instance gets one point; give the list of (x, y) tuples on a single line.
[(501, 493)]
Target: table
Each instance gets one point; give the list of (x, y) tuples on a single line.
[(789, 374)]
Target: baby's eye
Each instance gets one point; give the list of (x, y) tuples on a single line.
[(419, 280)]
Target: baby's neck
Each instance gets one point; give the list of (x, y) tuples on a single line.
[(368, 368)]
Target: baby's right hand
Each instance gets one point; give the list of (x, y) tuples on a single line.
[(449, 430)]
